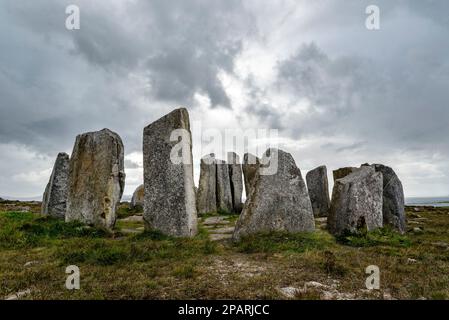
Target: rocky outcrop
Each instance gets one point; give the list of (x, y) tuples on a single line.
[(170, 204), (138, 198), (96, 178), (278, 202), (206, 197), (236, 181), (54, 202), (318, 188), (250, 165), (356, 202), (224, 193)]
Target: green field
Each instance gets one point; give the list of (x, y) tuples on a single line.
[(131, 264)]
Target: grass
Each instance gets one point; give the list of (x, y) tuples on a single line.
[(35, 250)]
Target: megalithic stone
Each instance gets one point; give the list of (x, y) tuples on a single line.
[(393, 207), (96, 178), (356, 202), (138, 197), (207, 195), (343, 172), (235, 174), (278, 201), (170, 201), (224, 193), (250, 165), (54, 202), (318, 188)]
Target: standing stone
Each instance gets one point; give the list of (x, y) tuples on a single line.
[(343, 172), (250, 165), (54, 202), (224, 193), (138, 198), (170, 202), (356, 202), (278, 202), (318, 187), (207, 197), (393, 198), (236, 180), (96, 178)]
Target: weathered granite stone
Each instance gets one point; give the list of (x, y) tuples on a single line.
[(393, 198), (236, 180), (207, 196), (96, 178), (54, 202), (343, 172), (138, 197), (224, 193), (170, 202), (278, 202), (250, 165), (356, 202), (318, 187)]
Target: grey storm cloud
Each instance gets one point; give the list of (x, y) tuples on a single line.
[(380, 93)]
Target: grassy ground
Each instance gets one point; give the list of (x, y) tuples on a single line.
[(35, 250)]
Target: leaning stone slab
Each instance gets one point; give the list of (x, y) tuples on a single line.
[(224, 193), (393, 199), (278, 202), (96, 178), (250, 165), (236, 180), (318, 188), (356, 202), (206, 196), (170, 202), (343, 172), (54, 202), (137, 199)]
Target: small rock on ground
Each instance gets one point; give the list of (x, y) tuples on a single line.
[(18, 295), (215, 220), (217, 237)]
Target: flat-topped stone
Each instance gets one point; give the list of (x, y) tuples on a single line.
[(356, 202), (207, 187), (96, 178), (170, 201), (318, 188)]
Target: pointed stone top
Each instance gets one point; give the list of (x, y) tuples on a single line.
[(178, 118)]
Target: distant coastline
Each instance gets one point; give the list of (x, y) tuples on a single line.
[(427, 201)]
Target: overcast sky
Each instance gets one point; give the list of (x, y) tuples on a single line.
[(338, 93)]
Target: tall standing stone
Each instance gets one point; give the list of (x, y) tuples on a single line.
[(138, 197), (250, 165), (235, 175), (393, 198), (207, 196), (224, 193), (343, 172), (278, 202), (318, 188), (170, 202), (54, 202), (356, 202), (96, 178)]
